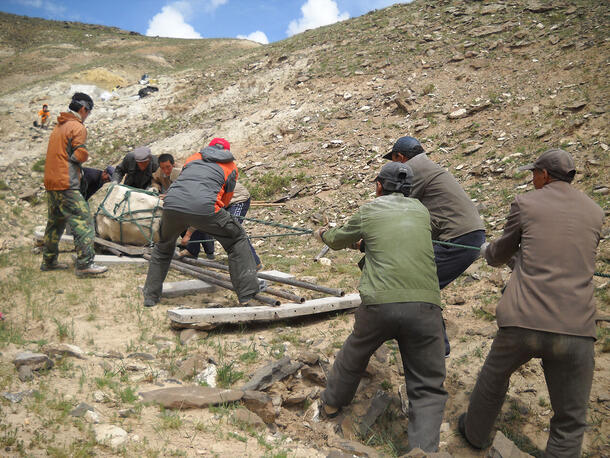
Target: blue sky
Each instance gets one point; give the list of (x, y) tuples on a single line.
[(260, 20)]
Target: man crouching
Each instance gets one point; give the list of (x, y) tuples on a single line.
[(198, 198), (400, 300)]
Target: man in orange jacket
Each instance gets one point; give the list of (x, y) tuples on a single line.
[(62, 176)]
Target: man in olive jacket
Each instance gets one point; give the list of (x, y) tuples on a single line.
[(400, 300), (547, 310)]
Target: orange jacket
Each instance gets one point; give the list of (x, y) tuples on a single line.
[(44, 115), (224, 160), (62, 170)]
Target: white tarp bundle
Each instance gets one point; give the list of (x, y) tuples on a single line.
[(127, 215)]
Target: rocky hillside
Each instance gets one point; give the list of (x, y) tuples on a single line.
[(485, 87)]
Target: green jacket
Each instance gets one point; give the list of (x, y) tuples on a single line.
[(399, 264)]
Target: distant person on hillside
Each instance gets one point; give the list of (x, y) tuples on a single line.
[(453, 215), (94, 179), (137, 168), (44, 115), (165, 175), (62, 178), (548, 308)]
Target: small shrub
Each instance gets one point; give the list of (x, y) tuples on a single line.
[(38, 166), (429, 89), (170, 419), (227, 376)]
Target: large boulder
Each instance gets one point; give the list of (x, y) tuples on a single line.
[(126, 215)]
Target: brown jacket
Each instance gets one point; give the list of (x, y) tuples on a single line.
[(554, 231), (65, 154), (452, 212), (162, 183)]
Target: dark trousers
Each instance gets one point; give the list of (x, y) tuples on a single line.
[(451, 262), (238, 210), (68, 207), (568, 363), (224, 228), (417, 326)]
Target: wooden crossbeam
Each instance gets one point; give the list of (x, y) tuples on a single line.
[(263, 313)]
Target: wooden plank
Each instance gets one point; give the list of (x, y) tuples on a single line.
[(186, 287), (264, 313), (277, 273), (131, 250)]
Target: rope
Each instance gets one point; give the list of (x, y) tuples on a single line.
[(283, 226), (132, 215), (296, 230)]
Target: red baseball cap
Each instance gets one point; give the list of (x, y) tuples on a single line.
[(220, 141)]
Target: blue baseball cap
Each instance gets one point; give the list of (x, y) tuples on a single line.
[(407, 146)]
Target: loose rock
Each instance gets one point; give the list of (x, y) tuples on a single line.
[(35, 361), (191, 396), (110, 435)]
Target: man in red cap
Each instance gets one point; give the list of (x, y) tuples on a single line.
[(198, 198)]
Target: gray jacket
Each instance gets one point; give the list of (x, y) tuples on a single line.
[(206, 183), (135, 177), (554, 231), (452, 212)]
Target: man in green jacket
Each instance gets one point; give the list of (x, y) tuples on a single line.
[(400, 300)]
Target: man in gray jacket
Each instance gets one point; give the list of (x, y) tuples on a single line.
[(454, 217), (547, 310), (198, 198)]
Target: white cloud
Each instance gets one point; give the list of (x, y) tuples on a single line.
[(211, 5), (316, 13), (46, 5), (170, 22), (257, 36), (173, 19)]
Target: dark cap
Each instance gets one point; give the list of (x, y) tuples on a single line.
[(395, 177), (407, 146), (557, 162), (142, 153)]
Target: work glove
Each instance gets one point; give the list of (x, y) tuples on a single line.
[(483, 249), (318, 234)]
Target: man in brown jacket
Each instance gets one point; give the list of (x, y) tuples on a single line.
[(453, 215), (165, 175), (547, 310), (62, 178)]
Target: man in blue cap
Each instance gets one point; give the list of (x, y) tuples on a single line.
[(453, 215)]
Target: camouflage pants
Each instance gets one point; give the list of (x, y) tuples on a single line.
[(69, 207)]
